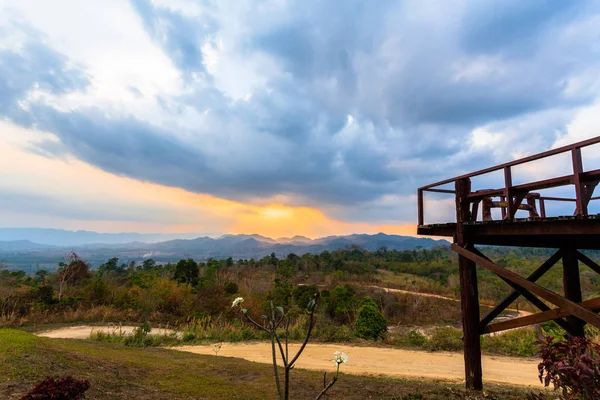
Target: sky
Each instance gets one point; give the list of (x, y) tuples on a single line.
[(280, 117)]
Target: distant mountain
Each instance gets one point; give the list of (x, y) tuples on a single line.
[(22, 245), (29, 255), (61, 237)]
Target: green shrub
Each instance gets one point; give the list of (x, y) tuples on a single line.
[(370, 324), (514, 343), (445, 339), (333, 333)]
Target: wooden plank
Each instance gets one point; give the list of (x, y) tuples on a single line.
[(534, 157), (544, 184), (572, 286), (514, 295), (440, 191), (593, 305), (533, 300), (544, 293), (480, 194), (589, 262), (469, 296)]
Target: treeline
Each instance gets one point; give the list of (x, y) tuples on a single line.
[(177, 292)]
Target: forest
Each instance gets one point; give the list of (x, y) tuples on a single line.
[(195, 297)]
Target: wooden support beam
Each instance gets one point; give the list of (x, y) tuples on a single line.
[(589, 262), (531, 203), (514, 295), (593, 305), (517, 202), (421, 211), (532, 299), (475, 210), (469, 295), (542, 208), (574, 308), (581, 208), (572, 286), (486, 209), (508, 193)]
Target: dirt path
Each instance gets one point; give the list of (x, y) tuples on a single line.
[(387, 362), (84, 331), (520, 313)]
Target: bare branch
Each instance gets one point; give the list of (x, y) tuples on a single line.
[(310, 327), (333, 381)]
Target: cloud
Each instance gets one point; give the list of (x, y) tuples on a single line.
[(343, 106)]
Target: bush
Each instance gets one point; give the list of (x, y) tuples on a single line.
[(520, 342), (64, 388), (370, 324), (231, 288), (445, 339), (333, 333), (572, 366)]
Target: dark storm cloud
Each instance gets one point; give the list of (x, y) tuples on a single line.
[(370, 99)]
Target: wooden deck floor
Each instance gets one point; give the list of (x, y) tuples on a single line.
[(553, 232)]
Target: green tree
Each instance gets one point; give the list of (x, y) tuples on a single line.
[(186, 271), (370, 323), (148, 264)]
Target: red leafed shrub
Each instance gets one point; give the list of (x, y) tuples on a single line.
[(572, 366), (63, 388)]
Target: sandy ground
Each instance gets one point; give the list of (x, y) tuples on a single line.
[(387, 362), (84, 331)]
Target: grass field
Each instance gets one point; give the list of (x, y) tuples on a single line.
[(118, 372)]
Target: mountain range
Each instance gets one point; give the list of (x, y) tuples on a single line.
[(24, 252)]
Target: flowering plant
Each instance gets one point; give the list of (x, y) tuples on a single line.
[(339, 358), (237, 302)]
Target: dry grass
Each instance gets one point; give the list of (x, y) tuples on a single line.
[(117, 372)]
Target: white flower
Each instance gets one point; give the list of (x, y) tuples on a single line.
[(237, 301), (340, 358)]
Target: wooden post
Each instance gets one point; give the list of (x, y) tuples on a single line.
[(420, 210), (581, 208), (508, 193), (572, 286), (469, 297)]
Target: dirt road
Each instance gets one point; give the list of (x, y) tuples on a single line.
[(520, 313), (84, 331), (387, 362), (363, 360)]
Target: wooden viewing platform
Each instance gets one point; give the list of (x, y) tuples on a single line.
[(475, 225)]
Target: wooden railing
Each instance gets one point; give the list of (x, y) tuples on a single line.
[(510, 197)]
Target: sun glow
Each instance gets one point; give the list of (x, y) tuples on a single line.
[(111, 203)]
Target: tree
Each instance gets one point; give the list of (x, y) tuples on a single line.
[(111, 265), (41, 274), (186, 271), (370, 323), (72, 270), (148, 264), (280, 317)]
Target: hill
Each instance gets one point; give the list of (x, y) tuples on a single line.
[(29, 255)]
